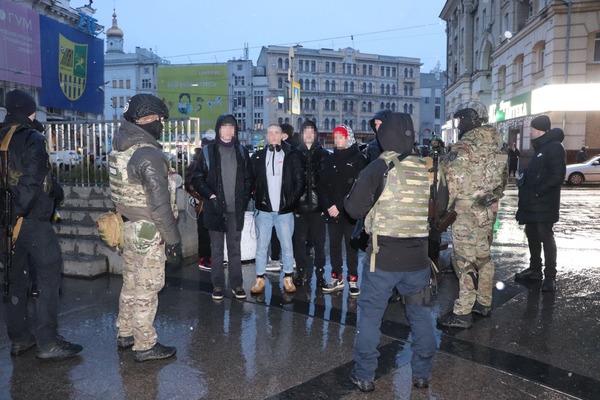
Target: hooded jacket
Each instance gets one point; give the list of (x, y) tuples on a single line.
[(208, 181), (396, 133), (291, 185), (340, 170), (313, 160), (539, 195), (149, 168), (29, 168)]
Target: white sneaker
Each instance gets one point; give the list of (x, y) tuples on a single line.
[(273, 266)]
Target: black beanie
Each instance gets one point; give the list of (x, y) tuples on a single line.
[(541, 123), (20, 103), (229, 120)]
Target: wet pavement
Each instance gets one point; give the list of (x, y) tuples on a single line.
[(534, 346)]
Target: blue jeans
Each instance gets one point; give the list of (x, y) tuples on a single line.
[(376, 289), (284, 227)]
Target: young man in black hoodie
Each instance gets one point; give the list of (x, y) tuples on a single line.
[(392, 194), (310, 218), (539, 200), (339, 173), (223, 177)]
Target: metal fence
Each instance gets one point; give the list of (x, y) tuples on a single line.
[(79, 150)]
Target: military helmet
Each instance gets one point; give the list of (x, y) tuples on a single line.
[(474, 110), (142, 105)]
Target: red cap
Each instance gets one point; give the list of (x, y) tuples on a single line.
[(340, 129)]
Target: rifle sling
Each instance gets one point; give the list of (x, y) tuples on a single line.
[(4, 147)]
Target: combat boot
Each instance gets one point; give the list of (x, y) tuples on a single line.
[(320, 273), (124, 342), (549, 284), (456, 321), (58, 350), (300, 279), (480, 309), (529, 274), (158, 352)]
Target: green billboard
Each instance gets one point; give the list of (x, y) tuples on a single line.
[(196, 90)]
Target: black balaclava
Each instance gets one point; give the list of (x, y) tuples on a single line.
[(155, 128)]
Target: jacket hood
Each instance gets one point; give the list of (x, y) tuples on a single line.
[(396, 133), (220, 120), (380, 115), (553, 135), (130, 134)]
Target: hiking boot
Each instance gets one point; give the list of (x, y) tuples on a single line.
[(420, 383), (288, 284), (363, 385), (300, 279), (158, 352), (124, 342), (273, 266), (334, 286), (480, 309), (456, 321), (58, 350), (16, 349), (239, 292), (217, 293), (353, 289), (259, 285), (529, 274), (205, 264), (549, 284), (320, 273)]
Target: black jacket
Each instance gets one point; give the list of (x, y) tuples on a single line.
[(32, 195), (313, 161), (148, 167), (539, 194), (209, 181), (291, 185), (373, 150), (339, 173)]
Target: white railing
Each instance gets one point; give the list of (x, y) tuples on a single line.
[(79, 150)]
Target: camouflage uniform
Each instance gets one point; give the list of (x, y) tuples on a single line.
[(476, 172), (147, 228)]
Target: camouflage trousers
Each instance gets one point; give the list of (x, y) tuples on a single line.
[(472, 259), (143, 277)]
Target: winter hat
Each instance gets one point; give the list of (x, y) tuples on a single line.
[(347, 132), (20, 103), (229, 120), (541, 123)]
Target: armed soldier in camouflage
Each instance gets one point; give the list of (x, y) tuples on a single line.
[(476, 171), (140, 189)]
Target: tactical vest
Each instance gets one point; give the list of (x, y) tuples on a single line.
[(402, 208), (122, 191)]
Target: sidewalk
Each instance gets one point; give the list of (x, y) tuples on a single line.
[(534, 346)]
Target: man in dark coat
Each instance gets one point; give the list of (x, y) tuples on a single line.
[(37, 244), (513, 159), (223, 177), (539, 200)]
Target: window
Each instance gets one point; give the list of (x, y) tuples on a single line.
[(363, 106), (382, 89), (326, 124), (313, 66), (353, 69), (351, 87), (280, 83), (333, 86), (280, 63), (345, 106), (286, 63), (306, 104), (300, 66), (147, 70), (406, 72), (394, 92), (240, 67), (393, 107), (346, 86), (307, 84), (363, 125), (387, 89), (332, 105), (239, 80), (333, 67), (393, 72), (437, 112), (410, 109), (326, 105), (382, 106), (114, 84), (502, 78), (333, 123), (313, 104), (370, 70), (364, 88), (313, 85), (406, 90), (120, 83), (370, 107), (258, 121), (518, 68), (370, 88), (146, 84), (405, 107), (410, 73), (382, 71), (364, 70), (388, 71), (128, 84), (426, 100), (348, 69), (327, 67), (597, 48), (259, 99), (327, 87), (121, 102), (438, 100), (410, 90), (538, 56)]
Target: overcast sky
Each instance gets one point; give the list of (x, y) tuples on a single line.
[(202, 31)]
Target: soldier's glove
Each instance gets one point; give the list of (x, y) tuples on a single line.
[(174, 255)]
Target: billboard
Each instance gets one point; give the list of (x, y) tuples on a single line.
[(73, 68), (197, 90), (19, 44)]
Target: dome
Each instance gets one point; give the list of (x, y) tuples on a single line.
[(114, 30)]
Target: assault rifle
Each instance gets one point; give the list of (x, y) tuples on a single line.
[(437, 224)]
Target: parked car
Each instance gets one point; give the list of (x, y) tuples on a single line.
[(588, 171), (65, 158)]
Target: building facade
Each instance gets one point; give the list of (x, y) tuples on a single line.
[(337, 87), (432, 107), (516, 56)]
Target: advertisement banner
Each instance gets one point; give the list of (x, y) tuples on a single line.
[(19, 44), (296, 98), (73, 68), (197, 90)]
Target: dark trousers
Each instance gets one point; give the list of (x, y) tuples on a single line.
[(312, 224), (37, 246), (203, 237), (539, 234), (376, 289), (340, 231), (275, 246), (234, 254)]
